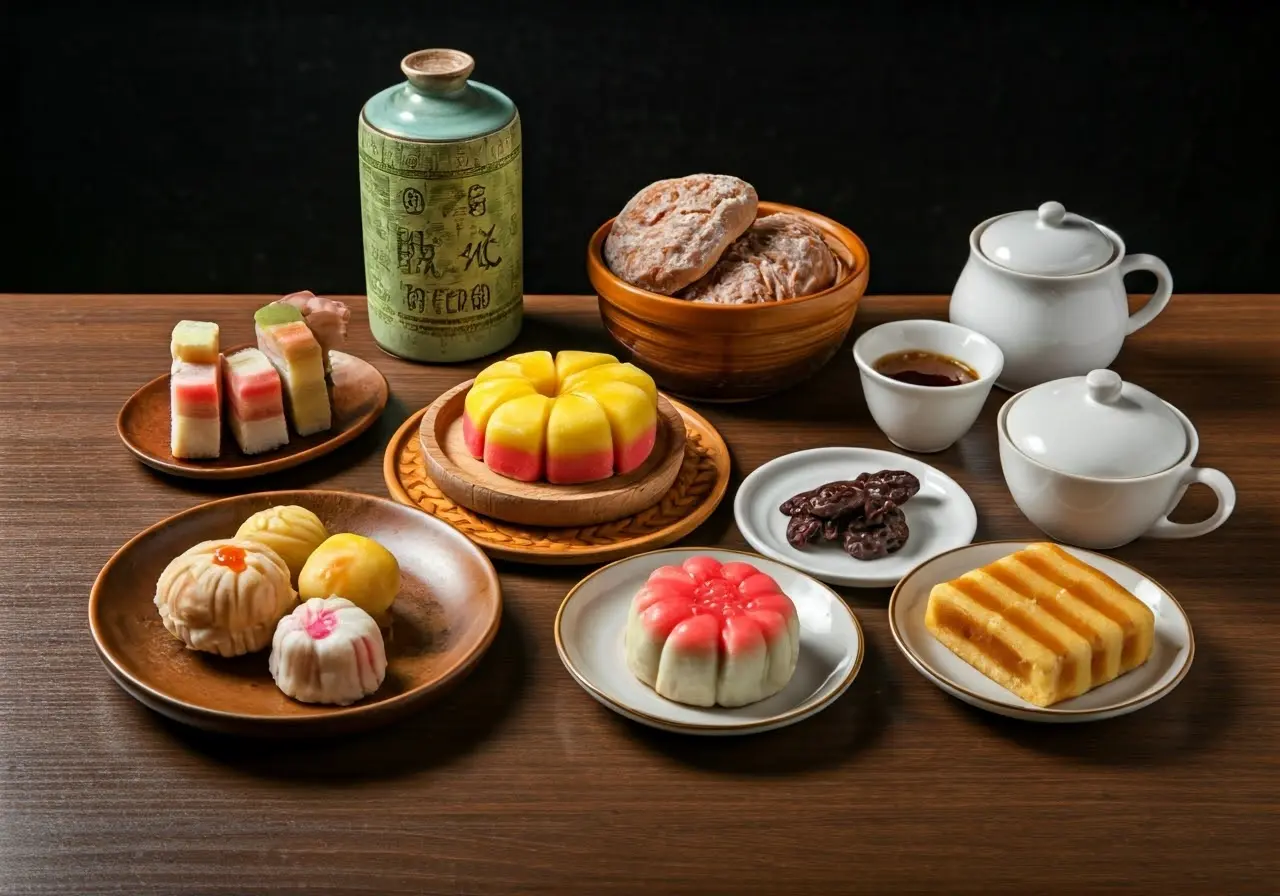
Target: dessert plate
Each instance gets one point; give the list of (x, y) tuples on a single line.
[(940, 517), (591, 623), (360, 394), (443, 620), (1171, 654), (471, 484), (699, 487)]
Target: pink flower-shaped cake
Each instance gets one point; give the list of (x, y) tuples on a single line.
[(709, 634)]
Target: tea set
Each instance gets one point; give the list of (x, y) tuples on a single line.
[(1040, 310)]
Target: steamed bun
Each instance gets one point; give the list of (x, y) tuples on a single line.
[(225, 596)]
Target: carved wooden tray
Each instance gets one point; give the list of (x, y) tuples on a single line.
[(699, 487), (471, 484)]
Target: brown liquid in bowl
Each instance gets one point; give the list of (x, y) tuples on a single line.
[(921, 368)]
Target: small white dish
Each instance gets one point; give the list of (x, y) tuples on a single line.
[(926, 419), (591, 625), (940, 517), (1171, 655)]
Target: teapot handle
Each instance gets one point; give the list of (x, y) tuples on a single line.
[(1159, 298)]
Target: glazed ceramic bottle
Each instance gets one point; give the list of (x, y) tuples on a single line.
[(440, 201)]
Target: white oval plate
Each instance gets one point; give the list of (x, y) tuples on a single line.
[(591, 625), (941, 516), (1171, 654)]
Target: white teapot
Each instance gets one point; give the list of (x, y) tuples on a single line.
[(1047, 287)]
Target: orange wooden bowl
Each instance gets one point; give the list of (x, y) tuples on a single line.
[(710, 352)]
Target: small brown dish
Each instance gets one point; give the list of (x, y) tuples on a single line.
[(443, 620), (471, 484), (360, 395), (713, 352)]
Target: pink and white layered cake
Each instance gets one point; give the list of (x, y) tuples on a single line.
[(255, 401), (195, 394), (712, 634)]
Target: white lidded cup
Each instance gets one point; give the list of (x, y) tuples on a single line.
[(926, 419), (1096, 462)]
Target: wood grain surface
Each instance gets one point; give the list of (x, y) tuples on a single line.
[(518, 782)]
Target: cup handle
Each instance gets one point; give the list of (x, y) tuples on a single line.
[(1222, 487), (1159, 298)]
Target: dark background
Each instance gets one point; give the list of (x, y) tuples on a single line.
[(212, 148)]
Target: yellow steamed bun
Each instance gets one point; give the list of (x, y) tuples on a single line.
[(354, 567), (291, 531)]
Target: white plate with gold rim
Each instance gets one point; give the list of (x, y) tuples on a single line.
[(940, 516), (591, 624), (1171, 655)]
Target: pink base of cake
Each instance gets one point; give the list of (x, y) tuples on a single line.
[(579, 468), (513, 463), (473, 438), (629, 457)]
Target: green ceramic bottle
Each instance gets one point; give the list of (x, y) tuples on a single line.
[(440, 196)]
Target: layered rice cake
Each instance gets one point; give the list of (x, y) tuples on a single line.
[(292, 349), (712, 634), (195, 395), (255, 401), (575, 417), (1042, 623)]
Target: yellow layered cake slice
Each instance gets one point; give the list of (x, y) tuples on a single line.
[(1042, 623)]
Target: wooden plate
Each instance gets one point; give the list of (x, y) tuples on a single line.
[(444, 619), (699, 487), (471, 484), (359, 395)]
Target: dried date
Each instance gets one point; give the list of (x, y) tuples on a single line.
[(864, 514), (802, 530), (870, 541)]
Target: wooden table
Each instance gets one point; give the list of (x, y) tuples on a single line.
[(518, 782)]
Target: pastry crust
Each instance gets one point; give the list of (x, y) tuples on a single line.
[(674, 231), (781, 256)]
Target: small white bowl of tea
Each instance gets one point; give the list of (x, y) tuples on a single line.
[(926, 381)]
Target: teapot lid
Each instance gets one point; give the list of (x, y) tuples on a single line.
[(1097, 425), (1048, 241)]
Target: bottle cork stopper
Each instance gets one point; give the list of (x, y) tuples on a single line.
[(438, 72)]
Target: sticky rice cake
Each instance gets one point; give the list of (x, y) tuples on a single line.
[(1042, 623)]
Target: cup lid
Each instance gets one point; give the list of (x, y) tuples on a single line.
[(1097, 425), (1047, 241)]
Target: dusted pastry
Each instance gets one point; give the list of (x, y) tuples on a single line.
[(291, 531), (326, 318), (224, 597), (328, 651), (354, 567), (708, 634)]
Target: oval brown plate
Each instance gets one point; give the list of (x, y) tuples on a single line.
[(471, 484), (699, 487), (360, 394), (444, 619)]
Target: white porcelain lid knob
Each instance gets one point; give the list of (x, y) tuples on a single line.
[(1051, 214), (1104, 386), (1098, 426), (1047, 242)]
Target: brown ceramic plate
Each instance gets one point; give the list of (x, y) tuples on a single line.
[(359, 395), (444, 619), (697, 491), (471, 484)]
